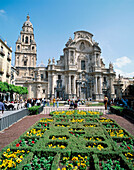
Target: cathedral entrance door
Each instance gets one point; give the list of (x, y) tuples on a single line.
[(83, 93)]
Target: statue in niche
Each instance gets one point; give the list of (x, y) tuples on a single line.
[(49, 61), (82, 46), (53, 60), (71, 60)]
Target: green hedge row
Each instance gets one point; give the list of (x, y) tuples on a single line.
[(78, 137)]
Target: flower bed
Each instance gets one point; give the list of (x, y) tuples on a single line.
[(117, 133), (61, 137), (110, 125), (73, 142), (111, 161), (125, 143), (11, 158), (74, 163), (35, 132), (94, 138)]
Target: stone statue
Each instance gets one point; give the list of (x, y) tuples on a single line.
[(110, 65), (49, 61), (53, 60)]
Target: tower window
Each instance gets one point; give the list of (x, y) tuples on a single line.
[(30, 39), (23, 38), (83, 67), (42, 77), (26, 40), (18, 47), (32, 47)]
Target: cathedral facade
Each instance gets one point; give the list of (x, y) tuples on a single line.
[(79, 72)]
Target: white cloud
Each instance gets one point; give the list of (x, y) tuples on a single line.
[(124, 74), (2, 11), (122, 61)]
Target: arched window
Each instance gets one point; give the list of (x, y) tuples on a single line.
[(32, 47), (26, 40), (23, 38), (18, 47)]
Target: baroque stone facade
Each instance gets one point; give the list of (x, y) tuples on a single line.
[(79, 73)]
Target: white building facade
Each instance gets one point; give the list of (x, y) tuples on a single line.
[(79, 73)]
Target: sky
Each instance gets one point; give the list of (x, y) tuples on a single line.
[(54, 21)]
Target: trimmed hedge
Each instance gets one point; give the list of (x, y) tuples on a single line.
[(74, 135), (34, 110)]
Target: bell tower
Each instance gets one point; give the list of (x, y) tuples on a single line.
[(25, 54)]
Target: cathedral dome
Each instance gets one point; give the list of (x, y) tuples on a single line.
[(28, 23)]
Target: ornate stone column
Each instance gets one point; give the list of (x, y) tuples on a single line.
[(52, 85), (96, 89), (69, 87), (100, 85), (74, 86)]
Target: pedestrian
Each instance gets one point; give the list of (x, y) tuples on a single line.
[(105, 102), (57, 102), (38, 102), (54, 102), (32, 102), (48, 102), (2, 107), (44, 102)]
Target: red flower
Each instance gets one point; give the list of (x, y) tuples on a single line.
[(45, 124), (128, 147), (71, 132), (112, 125), (100, 164), (20, 141), (33, 142), (17, 145)]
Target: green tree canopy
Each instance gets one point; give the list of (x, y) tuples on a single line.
[(5, 87)]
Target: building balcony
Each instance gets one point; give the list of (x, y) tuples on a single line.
[(9, 58), (2, 52)]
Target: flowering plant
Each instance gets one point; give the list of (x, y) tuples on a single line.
[(74, 163), (10, 159), (39, 163), (58, 138), (26, 142), (36, 132), (117, 133)]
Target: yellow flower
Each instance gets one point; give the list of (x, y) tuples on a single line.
[(8, 150)]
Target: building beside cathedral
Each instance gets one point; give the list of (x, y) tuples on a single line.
[(79, 72)]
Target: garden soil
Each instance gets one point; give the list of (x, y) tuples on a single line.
[(13, 132)]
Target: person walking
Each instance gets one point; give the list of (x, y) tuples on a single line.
[(57, 102), (2, 107), (105, 102), (48, 102), (54, 102)]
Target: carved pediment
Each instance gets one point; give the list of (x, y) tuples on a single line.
[(83, 57)]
